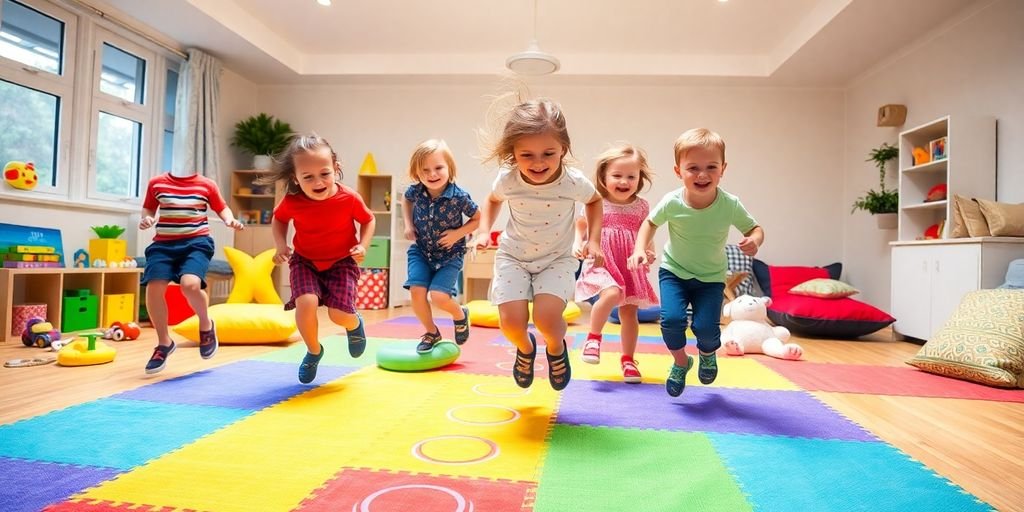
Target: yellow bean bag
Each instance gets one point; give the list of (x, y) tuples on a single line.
[(243, 324), (484, 314), (77, 353)]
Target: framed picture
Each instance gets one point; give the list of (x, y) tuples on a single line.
[(938, 149)]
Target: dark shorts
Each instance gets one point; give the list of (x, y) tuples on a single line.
[(334, 286), (433, 277), (169, 260)]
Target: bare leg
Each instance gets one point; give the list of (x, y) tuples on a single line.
[(514, 317), (191, 288), (156, 305), (547, 316), (305, 319), (347, 320), (421, 307), (445, 302), (630, 329), (606, 301)]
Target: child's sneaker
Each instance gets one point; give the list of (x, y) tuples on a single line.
[(559, 371), (630, 373), (708, 369), (307, 370), (208, 342), (462, 327), (356, 339), (676, 381), (592, 350), (159, 358), (427, 342)]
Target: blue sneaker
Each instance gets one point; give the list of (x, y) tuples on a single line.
[(208, 341), (462, 327), (677, 378), (357, 339), (707, 370), (307, 370), (427, 342), (158, 360)]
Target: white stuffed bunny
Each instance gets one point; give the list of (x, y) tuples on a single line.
[(750, 333)]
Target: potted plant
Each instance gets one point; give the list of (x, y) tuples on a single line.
[(106, 247), (261, 136), (884, 203)]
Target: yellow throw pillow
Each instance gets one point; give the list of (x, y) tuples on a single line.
[(1003, 219), (253, 282), (485, 314), (824, 289), (972, 217), (243, 324), (982, 342)]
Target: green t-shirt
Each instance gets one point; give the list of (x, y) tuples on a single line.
[(696, 238)]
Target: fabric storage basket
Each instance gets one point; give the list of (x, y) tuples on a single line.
[(20, 314)]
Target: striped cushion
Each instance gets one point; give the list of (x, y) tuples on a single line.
[(983, 342)]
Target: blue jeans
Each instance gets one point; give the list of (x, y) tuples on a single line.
[(706, 299), (432, 276)]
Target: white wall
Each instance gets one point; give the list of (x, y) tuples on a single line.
[(972, 67), (784, 146)]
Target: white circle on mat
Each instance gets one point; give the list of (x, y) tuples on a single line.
[(507, 366), (460, 501), (515, 414), (417, 450), (517, 392)]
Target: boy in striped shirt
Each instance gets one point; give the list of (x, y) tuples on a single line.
[(180, 252)]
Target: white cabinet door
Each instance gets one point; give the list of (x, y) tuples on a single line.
[(955, 272), (911, 291)]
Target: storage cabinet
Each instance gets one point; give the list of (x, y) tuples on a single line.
[(930, 278), (253, 204), (387, 251), (968, 169), (477, 272)]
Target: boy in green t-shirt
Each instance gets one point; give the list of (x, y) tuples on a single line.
[(693, 264)]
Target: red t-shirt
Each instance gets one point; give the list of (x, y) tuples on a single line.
[(324, 230), (182, 203)]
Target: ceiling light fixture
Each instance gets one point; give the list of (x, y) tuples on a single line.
[(533, 61), (325, 3)]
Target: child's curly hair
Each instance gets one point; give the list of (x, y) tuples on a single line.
[(283, 169)]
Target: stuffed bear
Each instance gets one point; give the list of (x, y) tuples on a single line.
[(750, 333)]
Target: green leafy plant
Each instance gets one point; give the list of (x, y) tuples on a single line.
[(885, 200), (261, 134), (110, 231)]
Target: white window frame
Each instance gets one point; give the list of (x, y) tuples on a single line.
[(62, 86)]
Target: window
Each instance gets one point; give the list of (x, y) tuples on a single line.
[(90, 103)]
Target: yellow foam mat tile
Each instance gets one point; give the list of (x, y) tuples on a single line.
[(610, 328), (733, 372), (274, 458), (474, 426)]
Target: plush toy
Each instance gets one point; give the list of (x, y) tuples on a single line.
[(750, 333), (21, 175), (921, 156)]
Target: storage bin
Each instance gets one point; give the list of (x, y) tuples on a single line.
[(22, 312), (377, 256), (372, 289), (118, 307), (81, 311)]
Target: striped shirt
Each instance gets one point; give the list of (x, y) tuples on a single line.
[(182, 204)]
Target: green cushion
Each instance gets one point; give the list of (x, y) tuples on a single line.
[(402, 356), (824, 289), (982, 342)]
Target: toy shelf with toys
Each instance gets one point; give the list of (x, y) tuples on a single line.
[(108, 294)]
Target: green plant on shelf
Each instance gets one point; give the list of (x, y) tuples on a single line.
[(262, 134), (884, 200), (110, 231)]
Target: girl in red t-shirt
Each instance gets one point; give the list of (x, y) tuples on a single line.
[(324, 266)]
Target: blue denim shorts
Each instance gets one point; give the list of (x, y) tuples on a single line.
[(171, 259), (432, 276)]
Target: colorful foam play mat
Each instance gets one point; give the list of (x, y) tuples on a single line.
[(246, 436)]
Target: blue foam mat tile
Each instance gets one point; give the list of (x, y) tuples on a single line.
[(32, 485), (111, 432), (248, 384)]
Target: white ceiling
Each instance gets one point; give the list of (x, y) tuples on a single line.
[(787, 42)]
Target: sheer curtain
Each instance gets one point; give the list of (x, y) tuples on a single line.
[(195, 120)]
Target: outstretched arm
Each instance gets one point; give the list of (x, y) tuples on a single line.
[(488, 212), (644, 239), (751, 241), (594, 212)]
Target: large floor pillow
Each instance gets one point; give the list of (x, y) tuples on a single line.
[(243, 324), (774, 279), (982, 342), (643, 315), (842, 318), (484, 314)]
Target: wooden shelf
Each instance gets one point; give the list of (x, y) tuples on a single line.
[(934, 205)]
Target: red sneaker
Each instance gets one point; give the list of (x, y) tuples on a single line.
[(592, 351), (629, 372)]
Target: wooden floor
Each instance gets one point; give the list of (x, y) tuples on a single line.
[(976, 444)]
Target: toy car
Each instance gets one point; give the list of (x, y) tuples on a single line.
[(39, 333), (119, 331)]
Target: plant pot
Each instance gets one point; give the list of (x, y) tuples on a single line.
[(262, 162), (886, 220)]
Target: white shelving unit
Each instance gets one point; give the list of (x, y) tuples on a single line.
[(390, 224), (969, 169)]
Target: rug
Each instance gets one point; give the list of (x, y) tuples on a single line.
[(247, 436)]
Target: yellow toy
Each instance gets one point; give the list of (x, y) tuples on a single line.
[(21, 175), (921, 156), (253, 281), (369, 166), (84, 352), (484, 314)]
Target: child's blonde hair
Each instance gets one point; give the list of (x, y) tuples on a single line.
[(427, 148), (284, 162), (698, 137), (530, 118), (621, 150)]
